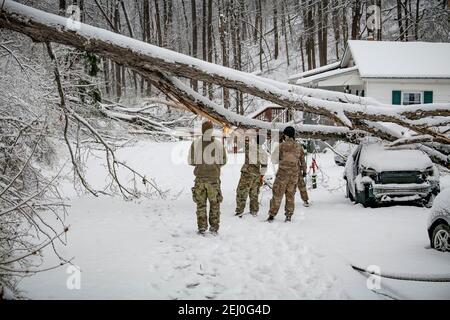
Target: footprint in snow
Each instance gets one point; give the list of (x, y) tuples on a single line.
[(183, 266), (192, 285)]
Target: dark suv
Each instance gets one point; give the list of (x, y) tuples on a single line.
[(377, 174)]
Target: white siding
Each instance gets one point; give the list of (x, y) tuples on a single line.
[(381, 89)]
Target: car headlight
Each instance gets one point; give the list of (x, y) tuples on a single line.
[(428, 172), (371, 173)]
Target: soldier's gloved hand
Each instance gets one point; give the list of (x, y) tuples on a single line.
[(261, 179)]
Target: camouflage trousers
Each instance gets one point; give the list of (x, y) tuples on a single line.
[(302, 188), (204, 190), (285, 185), (248, 186)]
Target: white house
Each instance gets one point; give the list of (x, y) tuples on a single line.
[(390, 72)]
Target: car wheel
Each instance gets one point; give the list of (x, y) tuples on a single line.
[(441, 238), (362, 198), (368, 203)]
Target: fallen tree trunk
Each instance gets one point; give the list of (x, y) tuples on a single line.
[(174, 87), (194, 101)]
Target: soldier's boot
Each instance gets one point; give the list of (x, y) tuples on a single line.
[(288, 219), (201, 232), (306, 203), (239, 214), (214, 229), (254, 213), (270, 219)]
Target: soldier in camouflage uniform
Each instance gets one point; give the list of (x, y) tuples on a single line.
[(208, 155), (303, 170), (252, 174), (287, 155)]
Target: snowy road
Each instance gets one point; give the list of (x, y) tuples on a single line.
[(149, 249)]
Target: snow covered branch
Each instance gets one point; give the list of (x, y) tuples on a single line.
[(410, 140), (199, 104), (25, 194), (112, 163)]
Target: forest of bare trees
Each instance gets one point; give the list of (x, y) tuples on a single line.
[(252, 35)]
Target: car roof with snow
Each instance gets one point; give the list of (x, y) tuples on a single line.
[(380, 158), (395, 59)]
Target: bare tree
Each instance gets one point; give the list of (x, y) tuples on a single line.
[(356, 19), (118, 68), (259, 29), (210, 41), (62, 7), (284, 31), (224, 45), (29, 200), (335, 17), (275, 29), (400, 20), (322, 31), (194, 36), (158, 23)]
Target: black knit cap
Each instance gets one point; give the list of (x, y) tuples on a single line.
[(289, 132)]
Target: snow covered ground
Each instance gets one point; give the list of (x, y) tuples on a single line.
[(149, 249)]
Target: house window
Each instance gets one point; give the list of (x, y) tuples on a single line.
[(412, 98)]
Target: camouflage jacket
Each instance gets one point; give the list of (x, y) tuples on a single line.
[(255, 159), (303, 166), (289, 155), (207, 156)]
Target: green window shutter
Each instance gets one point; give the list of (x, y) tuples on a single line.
[(428, 97), (396, 97)]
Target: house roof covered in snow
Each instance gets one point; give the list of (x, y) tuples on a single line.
[(327, 74), (386, 59), (315, 71), (389, 59)]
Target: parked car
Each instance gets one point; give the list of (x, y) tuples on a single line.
[(342, 149), (376, 173), (439, 222)]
